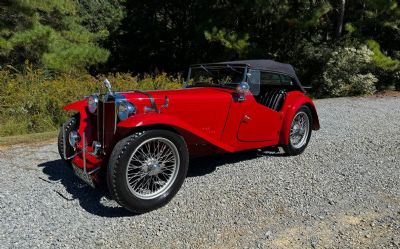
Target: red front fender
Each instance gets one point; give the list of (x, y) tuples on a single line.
[(294, 102), (143, 120), (77, 105)]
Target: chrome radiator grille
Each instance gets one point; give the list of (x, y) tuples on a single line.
[(106, 123)]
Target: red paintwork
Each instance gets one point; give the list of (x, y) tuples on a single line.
[(207, 116)]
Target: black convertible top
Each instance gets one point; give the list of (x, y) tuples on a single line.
[(263, 65)]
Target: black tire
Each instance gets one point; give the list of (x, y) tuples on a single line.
[(291, 150), (118, 165), (70, 125)]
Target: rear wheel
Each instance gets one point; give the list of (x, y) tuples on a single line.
[(300, 132), (147, 169), (70, 125)]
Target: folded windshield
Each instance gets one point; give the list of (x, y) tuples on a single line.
[(216, 75)]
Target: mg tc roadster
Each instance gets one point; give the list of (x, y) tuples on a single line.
[(140, 142)]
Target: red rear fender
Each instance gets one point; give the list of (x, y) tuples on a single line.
[(293, 102)]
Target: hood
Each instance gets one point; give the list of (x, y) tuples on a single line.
[(205, 109), (185, 98), (179, 93)]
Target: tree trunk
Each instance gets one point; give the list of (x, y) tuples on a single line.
[(339, 27)]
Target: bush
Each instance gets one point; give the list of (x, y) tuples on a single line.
[(396, 77), (32, 100), (347, 73), (385, 68)]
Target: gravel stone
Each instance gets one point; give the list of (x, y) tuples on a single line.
[(342, 192)]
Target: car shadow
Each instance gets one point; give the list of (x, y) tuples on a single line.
[(90, 199), (205, 165)]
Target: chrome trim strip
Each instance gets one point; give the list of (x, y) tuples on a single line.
[(74, 155), (84, 174), (64, 143), (115, 116), (98, 123), (84, 153), (93, 171), (185, 84), (103, 128)]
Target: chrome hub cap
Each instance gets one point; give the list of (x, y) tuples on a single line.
[(299, 130), (152, 168)]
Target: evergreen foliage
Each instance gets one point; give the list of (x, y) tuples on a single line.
[(60, 35)]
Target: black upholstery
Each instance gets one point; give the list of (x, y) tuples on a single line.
[(273, 98)]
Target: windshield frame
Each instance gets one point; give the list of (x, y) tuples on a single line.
[(217, 66)]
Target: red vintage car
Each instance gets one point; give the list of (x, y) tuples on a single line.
[(141, 141)]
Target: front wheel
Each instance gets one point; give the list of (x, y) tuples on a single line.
[(147, 169), (300, 132)]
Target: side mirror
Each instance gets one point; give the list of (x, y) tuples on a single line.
[(241, 90)]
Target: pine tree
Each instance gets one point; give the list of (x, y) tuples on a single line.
[(55, 34)]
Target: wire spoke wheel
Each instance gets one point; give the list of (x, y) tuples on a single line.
[(299, 130), (152, 168)]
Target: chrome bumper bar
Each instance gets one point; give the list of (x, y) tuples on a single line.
[(83, 174)]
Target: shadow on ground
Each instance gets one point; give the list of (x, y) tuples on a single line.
[(206, 165), (90, 199)]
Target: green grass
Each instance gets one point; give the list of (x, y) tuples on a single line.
[(28, 138)]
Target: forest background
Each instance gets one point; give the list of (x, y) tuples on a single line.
[(51, 50)]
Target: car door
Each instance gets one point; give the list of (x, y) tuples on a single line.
[(259, 123)]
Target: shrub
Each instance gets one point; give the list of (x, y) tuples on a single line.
[(396, 76), (347, 73), (32, 100), (385, 68)]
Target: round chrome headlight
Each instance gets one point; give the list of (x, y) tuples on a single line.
[(74, 138), (125, 109), (93, 101)]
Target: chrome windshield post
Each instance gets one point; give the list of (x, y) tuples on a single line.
[(64, 142), (245, 71), (185, 83)]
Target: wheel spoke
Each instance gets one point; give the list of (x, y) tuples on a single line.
[(142, 153), (299, 130), (136, 174), (168, 160), (137, 159), (136, 181), (165, 156), (160, 151), (152, 167)]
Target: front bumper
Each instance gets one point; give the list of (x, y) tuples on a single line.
[(85, 165)]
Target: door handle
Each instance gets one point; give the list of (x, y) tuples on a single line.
[(246, 119)]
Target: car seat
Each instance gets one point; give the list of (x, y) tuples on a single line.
[(273, 98)]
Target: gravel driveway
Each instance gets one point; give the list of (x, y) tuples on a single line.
[(343, 192)]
